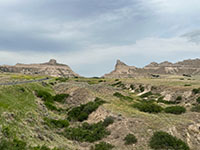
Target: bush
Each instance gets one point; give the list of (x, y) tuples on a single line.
[(149, 107), (196, 91), (62, 79), (87, 132), (141, 88), (130, 139), (132, 87), (179, 98), (108, 121), (82, 112), (12, 145), (160, 100), (162, 140), (102, 146), (175, 110), (122, 97), (56, 123), (196, 108), (146, 94), (60, 97), (198, 100), (45, 96), (51, 106)]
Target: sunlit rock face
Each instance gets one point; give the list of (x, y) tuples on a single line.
[(187, 67)]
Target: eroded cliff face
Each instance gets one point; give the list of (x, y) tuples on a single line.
[(187, 67), (51, 68)]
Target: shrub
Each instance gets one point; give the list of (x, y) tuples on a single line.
[(12, 145), (149, 107), (196, 108), (198, 100), (179, 98), (146, 94), (122, 97), (175, 110), (56, 123), (160, 100), (51, 106), (62, 79), (60, 97), (132, 87), (196, 91), (141, 88), (82, 112), (46, 96), (87, 132), (130, 139), (108, 121), (162, 140), (102, 146)]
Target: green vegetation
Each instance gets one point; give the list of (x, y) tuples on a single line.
[(122, 97), (146, 94), (175, 110), (87, 132), (196, 91), (130, 139), (198, 100), (56, 123), (82, 112), (132, 86), (62, 79), (109, 120), (179, 98), (160, 100), (60, 97), (141, 88), (49, 99), (12, 144), (162, 140), (16, 144), (148, 106), (196, 108), (102, 146)]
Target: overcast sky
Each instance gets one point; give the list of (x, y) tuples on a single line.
[(90, 35)]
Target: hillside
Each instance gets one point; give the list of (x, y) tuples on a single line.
[(187, 67), (81, 113)]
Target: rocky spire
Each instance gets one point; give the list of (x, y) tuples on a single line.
[(52, 62)]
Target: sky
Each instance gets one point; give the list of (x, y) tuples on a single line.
[(90, 35)]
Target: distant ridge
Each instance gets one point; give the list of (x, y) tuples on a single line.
[(51, 68), (188, 67)]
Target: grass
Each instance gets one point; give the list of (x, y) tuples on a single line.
[(122, 97)]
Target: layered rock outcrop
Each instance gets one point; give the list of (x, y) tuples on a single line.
[(186, 67), (51, 68)]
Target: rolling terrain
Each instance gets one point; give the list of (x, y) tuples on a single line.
[(99, 113)]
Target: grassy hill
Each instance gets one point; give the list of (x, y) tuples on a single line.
[(96, 113)]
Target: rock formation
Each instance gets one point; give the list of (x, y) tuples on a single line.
[(51, 68), (186, 67)]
